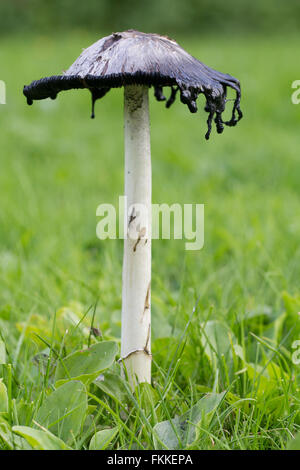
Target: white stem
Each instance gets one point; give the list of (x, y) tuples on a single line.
[(136, 316)]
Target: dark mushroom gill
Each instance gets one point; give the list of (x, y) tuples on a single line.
[(138, 58)]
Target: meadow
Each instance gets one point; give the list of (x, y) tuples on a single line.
[(225, 318)]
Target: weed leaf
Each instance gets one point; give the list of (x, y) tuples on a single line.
[(182, 431), (40, 440), (102, 439), (64, 411), (86, 365)]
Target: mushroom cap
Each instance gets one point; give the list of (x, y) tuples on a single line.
[(132, 57)]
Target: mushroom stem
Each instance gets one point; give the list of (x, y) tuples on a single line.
[(136, 316)]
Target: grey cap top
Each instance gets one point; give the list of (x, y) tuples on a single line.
[(132, 57)]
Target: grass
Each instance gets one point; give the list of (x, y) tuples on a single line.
[(224, 318)]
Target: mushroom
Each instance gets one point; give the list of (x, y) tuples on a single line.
[(138, 61)]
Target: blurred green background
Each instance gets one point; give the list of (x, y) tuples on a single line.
[(58, 165), (167, 16)]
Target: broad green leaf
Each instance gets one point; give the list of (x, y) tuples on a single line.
[(203, 389), (86, 365), (40, 440), (102, 439), (182, 431), (276, 373), (258, 312), (5, 433), (261, 382), (9, 439), (244, 404), (64, 410), (3, 398), (112, 385), (91, 409), (216, 339), (266, 378), (2, 352), (294, 444), (273, 405)]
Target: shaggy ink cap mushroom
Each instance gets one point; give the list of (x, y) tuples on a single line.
[(135, 58)]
